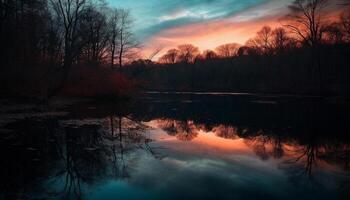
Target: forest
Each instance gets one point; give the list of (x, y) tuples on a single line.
[(88, 48), (307, 54), (50, 47)]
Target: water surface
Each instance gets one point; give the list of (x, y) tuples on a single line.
[(177, 146)]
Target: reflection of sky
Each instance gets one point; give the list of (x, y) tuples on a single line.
[(167, 23), (199, 170), (207, 167)]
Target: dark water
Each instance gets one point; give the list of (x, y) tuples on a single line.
[(177, 146)]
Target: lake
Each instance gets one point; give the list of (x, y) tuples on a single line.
[(177, 146)]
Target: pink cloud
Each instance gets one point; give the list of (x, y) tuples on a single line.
[(207, 35)]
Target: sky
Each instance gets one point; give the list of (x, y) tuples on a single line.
[(165, 24)]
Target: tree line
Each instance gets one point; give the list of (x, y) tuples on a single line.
[(305, 26), (306, 54), (42, 39)]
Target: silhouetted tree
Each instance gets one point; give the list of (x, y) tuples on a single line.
[(187, 53), (281, 41), (333, 33), (209, 55), (170, 57), (306, 20), (345, 22), (94, 33), (126, 42), (263, 40), (30, 42), (114, 34), (69, 13), (154, 53), (247, 51), (307, 23), (227, 50)]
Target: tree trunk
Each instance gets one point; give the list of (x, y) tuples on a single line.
[(120, 128), (112, 57), (121, 58), (121, 50), (112, 125), (319, 66)]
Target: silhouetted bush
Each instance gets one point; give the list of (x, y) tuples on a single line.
[(98, 82)]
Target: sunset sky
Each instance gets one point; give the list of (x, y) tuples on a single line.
[(204, 23)]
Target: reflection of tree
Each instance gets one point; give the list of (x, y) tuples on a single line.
[(259, 145), (278, 151), (306, 158), (71, 154), (119, 167), (227, 132), (83, 154), (81, 158), (313, 153), (265, 143), (124, 135), (309, 154), (24, 153), (183, 130), (305, 153), (338, 153), (169, 126), (102, 151), (187, 131)]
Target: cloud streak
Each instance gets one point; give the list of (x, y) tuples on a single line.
[(205, 23)]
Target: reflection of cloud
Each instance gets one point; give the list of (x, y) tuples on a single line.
[(210, 176)]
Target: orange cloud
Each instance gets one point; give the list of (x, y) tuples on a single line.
[(207, 35), (210, 34)]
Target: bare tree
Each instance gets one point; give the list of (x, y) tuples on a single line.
[(155, 53), (209, 54), (247, 51), (280, 40), (333, 33), (227, 50), (262, 40), (306, 20), (307, 23), (94, 33), (345, 22), (187, 53), (170, 57), (68, 13), (113, 24), (127, 44)]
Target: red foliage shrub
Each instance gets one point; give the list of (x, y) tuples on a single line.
[(98, 81)]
